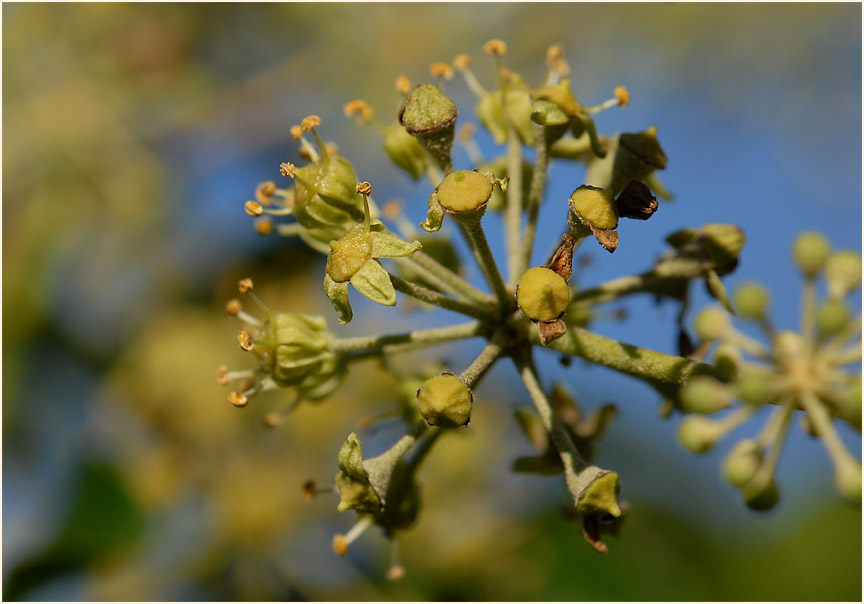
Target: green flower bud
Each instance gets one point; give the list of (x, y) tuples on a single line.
[(832, 317), (727, 360), (595, 206), (742, 462), (600, 497), (721, 243), (761, 497), (429, 115), (843, 273), (712, 323), (290, 347), (847, 478), (348, 254), (755, 387), (751, 300), (404, 150), (331, 206), (464, 191), (542, 294), (698, 434), (810, 251), (445, 401), (704, 394), (849, 402)]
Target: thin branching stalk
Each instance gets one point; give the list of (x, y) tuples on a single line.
[(424, 294), (411, 340)]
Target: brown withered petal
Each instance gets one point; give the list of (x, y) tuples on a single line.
[(562, 261), (608, 238), (591, 532), (636, 201), (551, 330)]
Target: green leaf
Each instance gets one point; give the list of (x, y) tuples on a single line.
[(338, 294), (374, 282), (385, 245)]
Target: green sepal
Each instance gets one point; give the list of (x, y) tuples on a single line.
[(338, 295), (404, 150), (717, 289), (587, 125), (435, 215), (374, 282), (350, 458), (385, 245), (533, 428)]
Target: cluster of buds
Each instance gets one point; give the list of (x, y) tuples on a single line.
[(537, 305), (806, 373)]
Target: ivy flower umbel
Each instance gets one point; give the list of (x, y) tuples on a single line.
[(353, 259)]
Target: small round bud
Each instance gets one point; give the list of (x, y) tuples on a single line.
[(761, 497), (237, 399), (742, 462), (495, 47), (296, 132), (595, 206), (253, 208), (847, 478), (712, 323), (264, 225), (462, 62), (464, 191), (542, 294), (427, 109), (233, 306), (704, 394), (849, 402), (441, 70), (310, 122), (622, 95), (245, 285), (698, 434), (445, 401), (751, 300), (402, 84), (727, 360), (810, 251), (340, 544), (364, 188), (244, 340), (843, 273), (755, 387), (832, 317)]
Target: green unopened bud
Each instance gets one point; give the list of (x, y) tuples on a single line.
[(464, 191), (810, 251), (600, 497), (348, 255), (727, 360), (595, 206), (404, 150), (704, 394), (761, 497), (430, 116), (756, 387), (542, 294), (547, 113), (742, 462), (698, 434), (843, 273), (291, 346), (445, 401), (832, 317), (751, 300), (847, 478), (712, 323), (721, 243), (849, 402)]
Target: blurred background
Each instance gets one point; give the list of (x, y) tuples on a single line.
[(132, 136)]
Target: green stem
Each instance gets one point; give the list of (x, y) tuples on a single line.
[(824, 427), (448, 280), (808, 311), (663, 371), (484, 361), (406, 341), (535, 194), (432, 172), (513, 216), (476, 238), (424, 294)]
